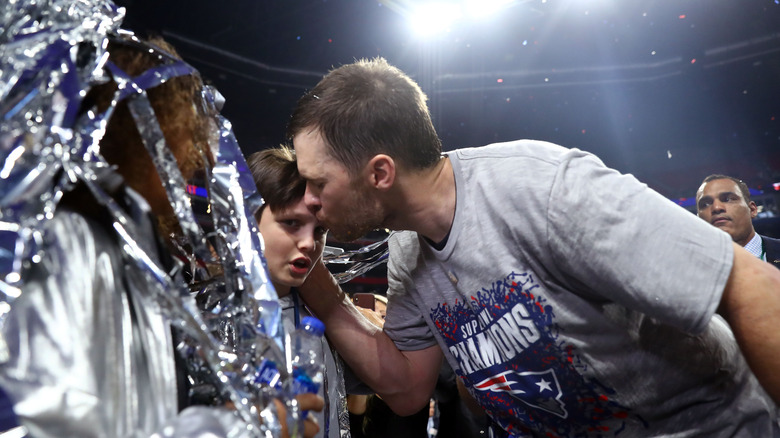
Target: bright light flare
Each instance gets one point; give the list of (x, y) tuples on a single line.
[(484, 8), (434, 18)]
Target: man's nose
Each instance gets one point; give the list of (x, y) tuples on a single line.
[(311, 200), (718, 207)]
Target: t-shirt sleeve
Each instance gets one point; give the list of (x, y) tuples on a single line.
[(616, 239), (404, 323)]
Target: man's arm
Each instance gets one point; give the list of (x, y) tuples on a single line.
[(404, 379), (751, 305)]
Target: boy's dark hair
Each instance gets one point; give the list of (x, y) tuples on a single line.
[(276, 176)]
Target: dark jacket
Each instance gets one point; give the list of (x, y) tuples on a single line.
[(772, 248)]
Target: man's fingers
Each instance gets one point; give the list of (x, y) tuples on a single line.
[(310, 402), (310, 428), (372, 316), (306, 402), (282, 412)]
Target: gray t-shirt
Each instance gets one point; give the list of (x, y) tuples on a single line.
[(574, 301)]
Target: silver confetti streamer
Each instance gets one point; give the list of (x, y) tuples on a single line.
[(51, 53)]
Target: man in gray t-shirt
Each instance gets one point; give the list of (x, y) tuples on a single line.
[(508, 305), (570, 299)]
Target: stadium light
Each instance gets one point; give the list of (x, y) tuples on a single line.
[(484, 8), (437, 17), (434, 18)]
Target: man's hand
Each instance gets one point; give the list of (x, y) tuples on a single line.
[(306, 402), (404, 379), (372, 316)]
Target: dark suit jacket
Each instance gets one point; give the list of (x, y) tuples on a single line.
[(772, 247)]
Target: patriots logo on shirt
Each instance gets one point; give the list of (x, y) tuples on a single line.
[(508, 350), (537, 389)]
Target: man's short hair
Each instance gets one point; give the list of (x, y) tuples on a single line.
[(743, 188), (367, 108)]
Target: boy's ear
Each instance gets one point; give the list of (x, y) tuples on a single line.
[(381, 172)]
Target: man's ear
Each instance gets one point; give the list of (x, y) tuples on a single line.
[(381, 172), (753, 210)]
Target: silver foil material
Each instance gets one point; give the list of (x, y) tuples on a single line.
[(234, 200), (152, 136), (41, 77), (358, 261), (51, 53), (73, 340), (173, 300)]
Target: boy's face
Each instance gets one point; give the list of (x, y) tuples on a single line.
[(294, 241)]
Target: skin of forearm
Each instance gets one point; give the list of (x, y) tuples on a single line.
[(370, 353), (751, 305)]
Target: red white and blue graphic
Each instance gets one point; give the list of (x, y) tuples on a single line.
[(537, 389), (530, 382)]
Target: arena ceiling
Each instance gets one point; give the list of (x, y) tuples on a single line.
[(669, 90)]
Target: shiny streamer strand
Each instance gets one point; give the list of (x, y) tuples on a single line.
[(180, 308), (45, 151), (360, 260)]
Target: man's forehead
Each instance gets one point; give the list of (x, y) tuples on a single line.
[(314, 159), (307, 148), (724, 185), (718, 186)]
